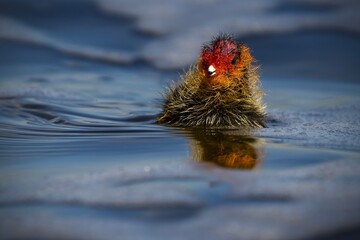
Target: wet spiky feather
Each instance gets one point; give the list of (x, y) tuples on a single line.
[(232, 99)]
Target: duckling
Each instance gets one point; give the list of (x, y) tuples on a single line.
[(221, 90)]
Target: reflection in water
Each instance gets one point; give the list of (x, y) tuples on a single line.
[(224, 148)]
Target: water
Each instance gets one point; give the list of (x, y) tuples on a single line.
[(81, 156)]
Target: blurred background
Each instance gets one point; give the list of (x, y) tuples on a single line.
[(291, 39)]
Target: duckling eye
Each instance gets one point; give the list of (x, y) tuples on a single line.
[(234, 60), (211, 70)]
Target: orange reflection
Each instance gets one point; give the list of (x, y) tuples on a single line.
[(226, 149)]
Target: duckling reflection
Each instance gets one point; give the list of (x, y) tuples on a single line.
[(225, 149)]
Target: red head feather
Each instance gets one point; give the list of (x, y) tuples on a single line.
[(220, 56)]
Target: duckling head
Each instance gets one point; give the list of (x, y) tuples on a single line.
[(223, 60)]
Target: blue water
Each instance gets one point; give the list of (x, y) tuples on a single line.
[(82, 158)]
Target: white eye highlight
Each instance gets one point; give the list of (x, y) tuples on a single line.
[(211, 70)]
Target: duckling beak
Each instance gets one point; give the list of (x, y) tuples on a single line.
[(211, 70)]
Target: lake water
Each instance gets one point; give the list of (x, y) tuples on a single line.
[(81, 83)]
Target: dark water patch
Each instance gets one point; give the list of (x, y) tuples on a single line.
[(144, 118), (306, 54), (38, 80), (106, 78), (169, 179), (348, 233), (150, 213), (275, 122), (43, 8), (297, 7), (80, 21)]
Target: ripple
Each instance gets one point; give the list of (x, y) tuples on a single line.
[(37, 119)]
